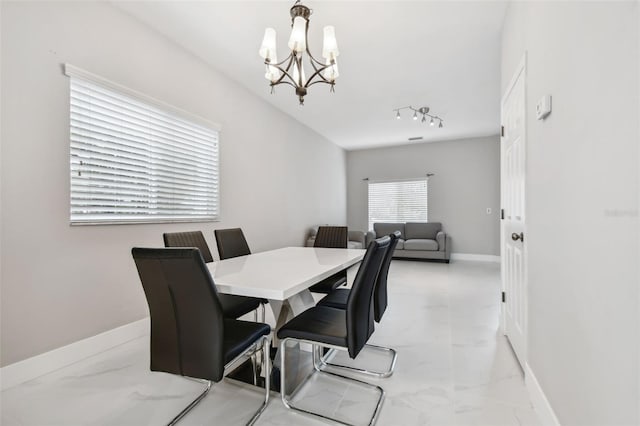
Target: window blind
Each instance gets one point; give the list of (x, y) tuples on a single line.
[(132, 161), (398, 201)]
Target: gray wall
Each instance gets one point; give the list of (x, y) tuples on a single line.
[(466, 182), (582, 204), (60, 283)]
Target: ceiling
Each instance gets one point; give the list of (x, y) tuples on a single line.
[(440, 54)]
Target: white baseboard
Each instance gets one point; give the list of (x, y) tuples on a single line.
[(539, 399), (475, 257), (30, 368)]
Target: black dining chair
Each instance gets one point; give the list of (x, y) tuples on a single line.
[(190, 335), (339, 297), (231, 243), (331, 237), (342, 329), (233, 306)]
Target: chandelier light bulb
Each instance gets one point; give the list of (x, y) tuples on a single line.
[(331, 72), (330, 45), (268, 48), (415, 115), (272, 74), (432, 123), (398, 115), (298, 39)]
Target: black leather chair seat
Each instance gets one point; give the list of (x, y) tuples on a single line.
[(236, 306), (330, 284), (336, 299), (239, 335), (320, 324)]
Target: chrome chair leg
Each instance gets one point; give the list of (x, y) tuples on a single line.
[(264, 348), (316, 348), (254, 368), (262, 314), (257, 362), (380, 374), (266, 344), (316, 357), (195, 402)]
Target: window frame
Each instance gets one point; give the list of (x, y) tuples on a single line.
[(75, 72)]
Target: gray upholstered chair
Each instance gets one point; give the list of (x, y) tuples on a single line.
[(356, 239)]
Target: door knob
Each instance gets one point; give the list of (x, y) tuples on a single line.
[(516, 237)]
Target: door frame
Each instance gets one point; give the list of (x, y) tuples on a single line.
[(521, 69)]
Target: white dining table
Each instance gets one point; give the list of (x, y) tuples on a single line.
[(283, 276)]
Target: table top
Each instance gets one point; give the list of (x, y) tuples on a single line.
[(281, 273)]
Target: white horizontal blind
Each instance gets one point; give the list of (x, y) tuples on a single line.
[(398, 201), (135, 162)]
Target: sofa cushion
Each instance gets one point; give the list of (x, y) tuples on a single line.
[(421, 244), (383, 229), (400, 244), (422, 230)]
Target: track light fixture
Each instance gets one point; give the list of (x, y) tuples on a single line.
[(425, 113)]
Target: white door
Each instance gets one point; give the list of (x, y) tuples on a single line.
[(513, 235)]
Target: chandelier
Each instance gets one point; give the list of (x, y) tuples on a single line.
[(291, 70), (424, 111)]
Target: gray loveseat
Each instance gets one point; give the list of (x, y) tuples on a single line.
[(418, 240)]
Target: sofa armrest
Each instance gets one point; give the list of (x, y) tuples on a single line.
[(370, 236), (447, 253), (358, 236), (441, 239)]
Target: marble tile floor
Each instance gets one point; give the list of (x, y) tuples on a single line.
[(454, 368)]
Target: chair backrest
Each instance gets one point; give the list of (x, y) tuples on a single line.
[(187, 325), (380, 292), (231, 243), (359, 303), (189, 239), (332, 237)]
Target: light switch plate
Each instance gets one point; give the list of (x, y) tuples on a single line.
[(543, 107)]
